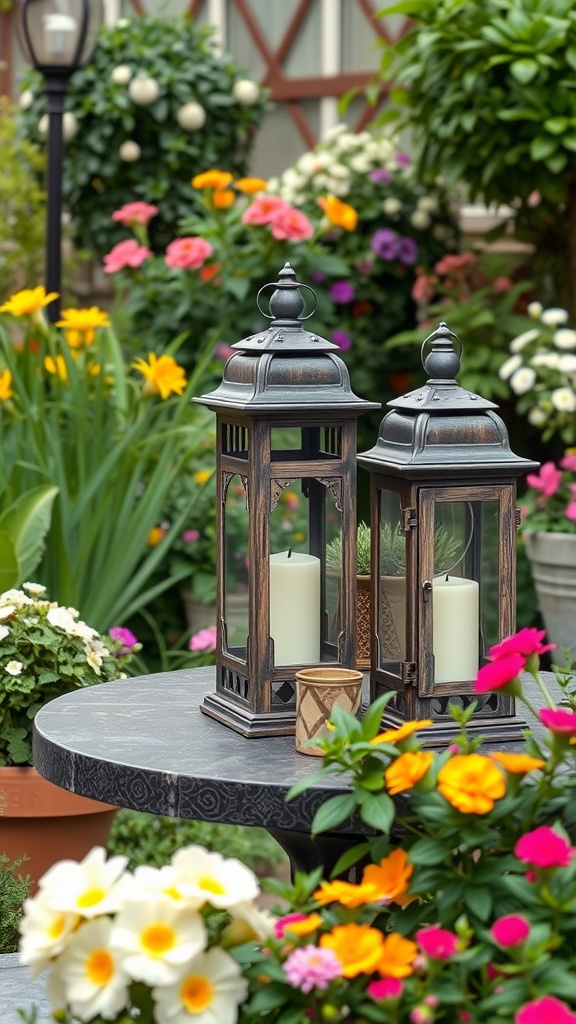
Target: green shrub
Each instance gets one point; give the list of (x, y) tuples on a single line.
[(14, 889), (21, 206)]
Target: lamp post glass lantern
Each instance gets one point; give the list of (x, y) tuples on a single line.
[(443, 492), (286, 487), (57, 37)]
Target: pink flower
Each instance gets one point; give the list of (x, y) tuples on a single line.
[(510, 930), (190, 536), (558, 720), (568, 461), (283, 923), (546, 1010), (497, 674), (187, 253), (526, 642), (544, 848), (385, 988), (136, 213), (125, 254), (262, 210), (204, 640), (501, 285), (291, 224), (437, 943), (310, 967), (123, 636), (342, 339), (547, 481), (423, 288), (570, 510), (421, 1015)]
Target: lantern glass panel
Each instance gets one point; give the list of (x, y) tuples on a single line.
[(290, 443), (236, 566), (392, 589), (54, 30), (333, 624)]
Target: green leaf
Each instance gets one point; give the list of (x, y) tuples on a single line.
[(378, 811), (372, 719), (543, 146), (524, 70), (349, 858), (556, 125), (27, 521), (9, 567), (478, 899), (332, 813), (428, 851)]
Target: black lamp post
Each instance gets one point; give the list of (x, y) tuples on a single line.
[(57, 37)]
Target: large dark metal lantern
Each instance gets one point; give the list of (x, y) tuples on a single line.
[(443, 523), (286, 492)]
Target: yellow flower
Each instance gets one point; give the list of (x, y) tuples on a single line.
[(390, 879), (407, 770), (155, 536), (342, 215), (201, 476), (212, 179), (79, 324), (305, 927), (518, 764), (223, 198), (56, 366), (5, 385), (345, 893), (28, 301), (398, 956), (250, 185), (163, 375), (358, 947), (395, 735), (471, 783)]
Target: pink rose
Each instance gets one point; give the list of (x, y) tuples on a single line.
[(125, 254), (558, 720), (263, 209), (385, 988), (497, 674), (546, 1010), (187, 253), (526, 642), (136, 213), (510, 930), (437, 943), (547, 481), (544, 848), (291, 224)]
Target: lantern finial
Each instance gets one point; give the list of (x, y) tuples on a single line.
[(443, 362)]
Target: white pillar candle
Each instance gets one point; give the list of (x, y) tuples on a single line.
[(295, 608), (455, 620)]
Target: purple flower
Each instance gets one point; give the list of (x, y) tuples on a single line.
[(407, 250), (380, 176), (204, 640), (342, 339), (402, 159), (318, 276), (190, 536), (310, 967), (342, 291), (385, 243), (123, 636)]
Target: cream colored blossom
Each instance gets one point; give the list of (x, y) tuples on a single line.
[(93, 976), (554, 316), (14, 668), (89, 887), (210, 989), (565, 338), (523, 380), (205, 876), (520, 342), (45, 932), (563, 399), (392, 206), (534, 310), (537, 417), (509, 367), (4, 631), (420, 220), (36, 589), (158, 938)]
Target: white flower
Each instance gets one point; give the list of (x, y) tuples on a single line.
[(94, 660), (537, 417), (521, 340), (565, 338), (346, 142), (129, 151), (361, 163), (391, 206), (523, 380), (4, 631), (420, 219), (210, 990), (563, 400), (554, 316), (427, 203), (15, 597), (335, 131), (191, 116), (338, 187), (7, 611), (249, 924), (336, 170), (245, 92), (158, 936), (43, 126), (143, 90), (209, 877), (535, 310), (123, 22), (121, 74), (567, 364), (89, 887), (61, 618), (34, 588), (551, 360), (14, 668), (69, 126), (45, 932), (509, 367), (92, 974), (26, 99)]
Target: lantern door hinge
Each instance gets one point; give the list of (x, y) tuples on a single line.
[(409, 519), (517, 518), (409, 673)]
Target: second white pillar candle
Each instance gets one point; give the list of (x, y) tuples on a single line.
[(295, 608)]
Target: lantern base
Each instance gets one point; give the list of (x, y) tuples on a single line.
[(494, 730), (248, 723)]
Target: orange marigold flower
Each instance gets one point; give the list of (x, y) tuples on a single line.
[(345, 893), (155, 536), (398, 956), (342, 215), (28, 301), (56, 366), (471, 783), (223, 198), (163, 375), (5, 385), (306, 927), (402, 733), (407, 770), (79, 324), (390, 879), (212, 179), (358, 947), (518, 764), (250, 185)]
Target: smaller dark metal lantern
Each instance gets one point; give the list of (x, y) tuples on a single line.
[(58, 36), (286, 492), (443, 519)]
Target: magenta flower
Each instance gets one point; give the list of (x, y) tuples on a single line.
[(570, 511), (547, 481), (123, 636), (385, 243), (498, 674), (380, 176), (342, 339), (544, 848), (546, 1010), (407, 251), (437, 943), (204, 640), (402, 159), (125, 254), (190, 536), (310, 967), (568, 461), (558, 720), (526, 642), (510, 930), (385, 988), (135, 213), (342, 292), (283, 923)]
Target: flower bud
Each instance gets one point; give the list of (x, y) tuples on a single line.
[(69, 126), (129, 151), (191, 116), (121, 74), (143, 90), (26, 99), (245, 92)]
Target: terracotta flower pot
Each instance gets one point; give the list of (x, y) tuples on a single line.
[(47, 823)]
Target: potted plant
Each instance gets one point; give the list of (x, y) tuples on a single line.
[(46, 650)]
